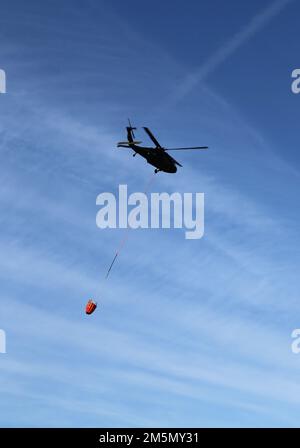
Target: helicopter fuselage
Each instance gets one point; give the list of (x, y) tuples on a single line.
[(156, 157)]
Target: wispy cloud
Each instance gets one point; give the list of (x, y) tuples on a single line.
[(256, 24)]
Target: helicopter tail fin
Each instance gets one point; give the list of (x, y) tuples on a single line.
[(130, 134)]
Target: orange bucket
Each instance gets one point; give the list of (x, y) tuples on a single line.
[(90, 306)]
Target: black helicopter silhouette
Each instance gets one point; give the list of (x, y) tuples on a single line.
[(157, 156)]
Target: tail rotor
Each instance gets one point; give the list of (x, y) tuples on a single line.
[(132, 128)]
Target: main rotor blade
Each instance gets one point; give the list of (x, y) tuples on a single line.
[(190, 147), (147, 130), (177, 163)]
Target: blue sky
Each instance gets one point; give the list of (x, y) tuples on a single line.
[(187, 333)]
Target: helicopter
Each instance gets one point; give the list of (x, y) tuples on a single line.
[(157, 156)]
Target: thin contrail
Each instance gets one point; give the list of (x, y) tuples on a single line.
[(255, 25)]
